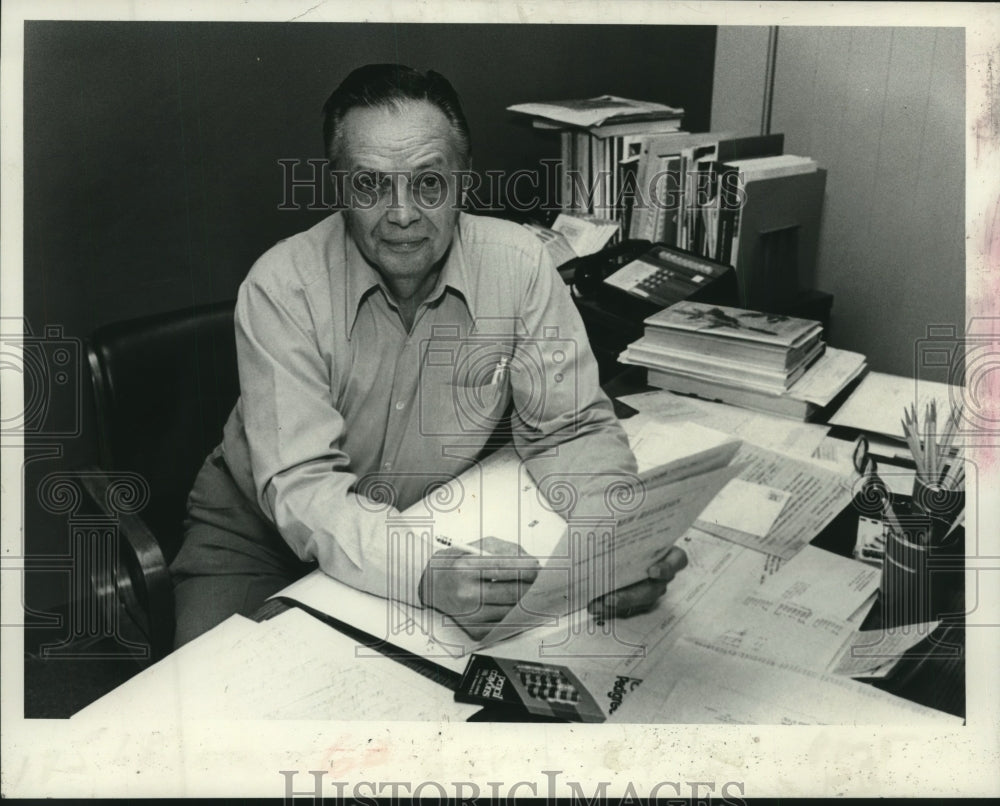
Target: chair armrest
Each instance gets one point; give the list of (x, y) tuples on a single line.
[(143, 559)]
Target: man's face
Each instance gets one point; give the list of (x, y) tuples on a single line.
[(401, 167)]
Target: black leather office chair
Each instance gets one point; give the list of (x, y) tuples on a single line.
[(164, 386)]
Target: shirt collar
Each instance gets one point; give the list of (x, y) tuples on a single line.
[(362, 279)]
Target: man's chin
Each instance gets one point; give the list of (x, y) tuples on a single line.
[(409, 266)]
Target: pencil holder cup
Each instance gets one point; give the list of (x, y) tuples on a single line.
[(941, 506), (905, 592)]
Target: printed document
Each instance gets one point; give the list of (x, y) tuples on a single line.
[(708, 683), (595, 559), (817, 496)]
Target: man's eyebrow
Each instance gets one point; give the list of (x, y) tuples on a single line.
[(430, 162)]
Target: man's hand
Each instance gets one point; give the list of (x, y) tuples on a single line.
[(478, 590), (643, 595)]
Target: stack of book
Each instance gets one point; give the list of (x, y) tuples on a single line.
[(766, 362), (601, 143)]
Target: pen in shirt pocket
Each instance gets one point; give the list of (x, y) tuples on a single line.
[(500, 370)]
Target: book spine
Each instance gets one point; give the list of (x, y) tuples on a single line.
[(640, 210), (566, 143), (728, 179), (583, 173)]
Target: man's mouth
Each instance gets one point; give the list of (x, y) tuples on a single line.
[(404, 246)]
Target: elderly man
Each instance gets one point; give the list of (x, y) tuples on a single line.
[(379, 353)]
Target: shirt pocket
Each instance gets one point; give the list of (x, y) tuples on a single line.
[(479, 408), (468, 394)]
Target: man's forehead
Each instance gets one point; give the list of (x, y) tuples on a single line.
[(414, 131)]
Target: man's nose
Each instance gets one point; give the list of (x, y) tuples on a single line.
[(402, 209)]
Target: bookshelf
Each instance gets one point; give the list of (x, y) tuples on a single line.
[(739, 200)]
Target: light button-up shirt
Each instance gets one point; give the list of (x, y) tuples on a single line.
[(345, 418)]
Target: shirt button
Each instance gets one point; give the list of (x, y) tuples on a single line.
[(400, 405)]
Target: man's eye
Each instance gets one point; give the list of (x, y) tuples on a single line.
[(429, 181), (430, 186)]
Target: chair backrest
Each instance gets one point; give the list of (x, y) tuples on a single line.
[(164, 386)]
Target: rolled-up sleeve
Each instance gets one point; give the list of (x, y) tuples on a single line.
[(567, 434), (301, 473)]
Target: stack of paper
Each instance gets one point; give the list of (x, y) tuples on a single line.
[(573, 236), (604, 109)]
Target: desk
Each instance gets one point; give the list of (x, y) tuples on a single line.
[(936, 681), (933, 673)]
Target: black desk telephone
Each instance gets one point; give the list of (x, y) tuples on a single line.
[(637, 278)]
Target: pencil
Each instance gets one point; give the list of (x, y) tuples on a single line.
[(949, 430), (955, 469), (914, 444), (929, 420)]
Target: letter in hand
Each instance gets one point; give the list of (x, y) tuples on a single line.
[(643, 595), (478, 590)]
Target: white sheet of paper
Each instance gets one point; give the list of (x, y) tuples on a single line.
[(818, 494), (585, 237), (656, 441), (878, 403), (502, 500), (699, 682), (776, 433), (871, 650), (591, 564), (805, 613), (823, 582), (784, 633), (746, 507), (313, 672), (822, 382)]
